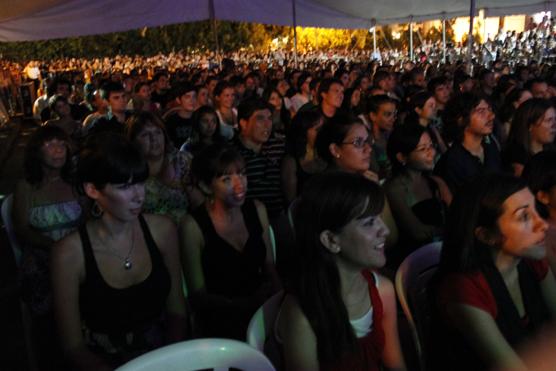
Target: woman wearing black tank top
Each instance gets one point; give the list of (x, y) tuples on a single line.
[(226, 253), (116, 281)]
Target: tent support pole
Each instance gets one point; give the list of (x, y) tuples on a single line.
[(444, 41), (374, 40), (214, 29), (294, 14), (411, 39), (470, 35)]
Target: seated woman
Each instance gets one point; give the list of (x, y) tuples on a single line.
[(533, 130), (117, 281), (166, 187), (281, 118), (344, 143), (301, 161), (491, 291), (417, 198), (226, 253), (45, 209), (423, 111), (339, 314), (511, 103), (540, 175)]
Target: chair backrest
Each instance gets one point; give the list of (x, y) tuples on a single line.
[(217, 354), (272, 242), (7, 205), (262, 322), (411, 282)]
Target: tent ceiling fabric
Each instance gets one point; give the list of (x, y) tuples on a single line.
[(50, 19)]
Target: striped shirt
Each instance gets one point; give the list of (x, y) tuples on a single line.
[(263, 173)]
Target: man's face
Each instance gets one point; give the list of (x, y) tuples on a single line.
[(540, 90), (442, 94), (117, 101), (162, 83), (385, 117), (258, 127), (188, 101), (63, 90), (334, 96)]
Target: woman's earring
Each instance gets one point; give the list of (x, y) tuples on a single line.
[(96, 211)]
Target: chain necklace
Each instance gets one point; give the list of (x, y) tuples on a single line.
[(128, 264)]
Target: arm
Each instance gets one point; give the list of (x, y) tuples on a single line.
[(289, 178), (298, 339), (20, 214), (404, 216), (392, 355), (191, 246), (481, 331), (271, 273), (67, 271), (165, 235), (443, 189)]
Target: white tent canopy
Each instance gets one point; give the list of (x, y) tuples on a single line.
[(50, 19)]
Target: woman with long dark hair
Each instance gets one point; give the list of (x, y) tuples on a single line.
[(492, 290), (339, 314)]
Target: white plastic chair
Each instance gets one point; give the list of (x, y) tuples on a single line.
[(7, 205), (272, 242), (218, 354), (411, 282), (262, 322)]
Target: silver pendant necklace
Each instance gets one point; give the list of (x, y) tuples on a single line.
[(128, 264)]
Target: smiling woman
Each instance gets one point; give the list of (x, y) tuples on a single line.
[(116, 277)]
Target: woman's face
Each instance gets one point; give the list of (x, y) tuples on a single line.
[(144, 92), (481, 121), (422, 157), (354, 153), (123, 201), (62, 109), (355, 98), (275, 100), (151, 141), (53, 153), (429, 110), (231, 187), (521, 227), (226, 98), (362, 242), (544, 130), (208, 123), (202, 97)]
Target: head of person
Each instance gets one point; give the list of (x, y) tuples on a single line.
[(186, 96), (422, 107), (255, 120), (467, 113), (410, 147), (114, 94), (331, 93), (161, 81), (202, 95), (147, 131), (492, 217), (352, 98), (220, 173), (534, 121), (417, 77), (205, 126), (142, 90), (512, 101), (224, 95), (345, 143), (305, 127), (538, 87), (59, 105), (274, 98), (440, 89), (463, 83), (382, 111), (60, 86), (336, 222), (111, 171), (487, 79), (47, 149), (384, 80), (540, 175), (304, 83)]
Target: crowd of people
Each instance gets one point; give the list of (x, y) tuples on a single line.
[(163, 206)]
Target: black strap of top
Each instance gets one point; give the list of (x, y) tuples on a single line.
[(151, 245), (508, 319)]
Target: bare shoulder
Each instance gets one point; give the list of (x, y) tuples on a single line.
[(261, 211), (68, 253), (159, 224), (292, 316)]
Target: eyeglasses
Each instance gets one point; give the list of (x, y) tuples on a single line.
[(360, 142)]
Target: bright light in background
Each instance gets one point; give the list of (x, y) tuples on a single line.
[(396, 35)]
